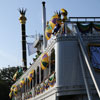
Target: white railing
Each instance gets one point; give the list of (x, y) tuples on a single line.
[(41, 88)]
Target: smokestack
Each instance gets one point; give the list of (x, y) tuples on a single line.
[(44, 25), (22, 20)]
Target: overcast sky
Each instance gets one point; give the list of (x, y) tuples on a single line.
[(10, 29)]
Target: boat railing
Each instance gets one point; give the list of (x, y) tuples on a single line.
[(84, 19), (86, 28), (42, 87), (45, 85)]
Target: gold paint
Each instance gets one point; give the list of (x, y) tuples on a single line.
[(22, 19)]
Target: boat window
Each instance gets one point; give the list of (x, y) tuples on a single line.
[(42, 75), (52, 61), (19, 90), (24, 88), (34, 82), (26, 84), (46, 73), (38, 75), (31, 84)]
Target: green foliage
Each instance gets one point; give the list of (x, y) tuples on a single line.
[(6, 80), (6, 75)]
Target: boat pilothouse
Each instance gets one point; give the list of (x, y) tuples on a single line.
[(69, 66)]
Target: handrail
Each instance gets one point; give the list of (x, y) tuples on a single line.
[(85, 79), (86, 58), (86, 19)]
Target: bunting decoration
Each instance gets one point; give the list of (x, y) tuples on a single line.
[(15, 91), (46, 84), (15, 76), (49, 82), (28, 96), (22, 82), (42, 88), (30, 76), (84, 28), (44, 61), (48, 32), (52, 80), (18, 73), (58, 26), (37, 90), (12, 88), (51, 26), (96, 27), (53, 21), (10, 94)]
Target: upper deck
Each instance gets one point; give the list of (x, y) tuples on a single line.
[(64, 76)]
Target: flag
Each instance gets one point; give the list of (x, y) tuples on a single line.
[(31, 49)]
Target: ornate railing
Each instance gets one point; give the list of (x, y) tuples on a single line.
[(42, 87), (45, 85), (86, 28)]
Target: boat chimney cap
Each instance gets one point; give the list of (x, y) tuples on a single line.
[(43, 3)]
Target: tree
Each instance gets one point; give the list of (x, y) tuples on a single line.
[(6, 81), (4, 90)]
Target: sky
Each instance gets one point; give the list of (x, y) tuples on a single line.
[(10, 28)]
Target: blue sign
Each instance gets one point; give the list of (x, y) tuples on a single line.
[(95, 56)]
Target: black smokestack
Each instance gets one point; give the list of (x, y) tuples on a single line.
[(22, 20)]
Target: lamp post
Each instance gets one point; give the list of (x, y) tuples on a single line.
[(22, 20)]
